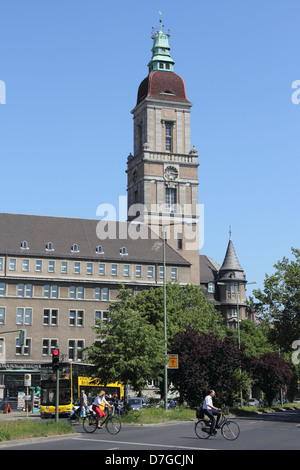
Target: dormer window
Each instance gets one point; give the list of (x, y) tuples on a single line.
[(123, 251), (74, 248), (99, 250), (24, 245), (49, 246)]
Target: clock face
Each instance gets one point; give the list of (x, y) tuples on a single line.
[(171, 173)]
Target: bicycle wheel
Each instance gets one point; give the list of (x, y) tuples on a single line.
[(201, 429), (90, 423), (230, 430), (113, 425)]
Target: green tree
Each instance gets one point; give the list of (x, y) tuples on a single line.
[(128, 349), (279, 302), (253, 341), (185, 305)]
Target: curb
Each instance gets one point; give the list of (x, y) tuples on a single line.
[(33, 440)]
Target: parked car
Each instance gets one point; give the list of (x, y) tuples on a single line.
[(138, 403), (296, 400), (253, 402)]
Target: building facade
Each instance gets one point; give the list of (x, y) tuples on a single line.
[(58, 275)]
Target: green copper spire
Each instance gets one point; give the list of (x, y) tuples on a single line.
[(161, 59)]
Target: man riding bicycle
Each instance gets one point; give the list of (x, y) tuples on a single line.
[(210, 410)]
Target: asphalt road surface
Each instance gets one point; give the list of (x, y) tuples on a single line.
[(276, 431)]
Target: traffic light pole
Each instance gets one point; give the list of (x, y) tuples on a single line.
[(57, 397)]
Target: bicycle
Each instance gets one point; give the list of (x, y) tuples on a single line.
[(230, 430), (111, 422)]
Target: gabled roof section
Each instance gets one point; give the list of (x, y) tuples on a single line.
[(63, 234), (209, 269)]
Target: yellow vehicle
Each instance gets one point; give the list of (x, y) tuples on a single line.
[(73, 377)]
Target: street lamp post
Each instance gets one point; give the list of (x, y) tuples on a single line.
[(165, 296)]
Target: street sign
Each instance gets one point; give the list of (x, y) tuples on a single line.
[(27, 380), (173, 361)]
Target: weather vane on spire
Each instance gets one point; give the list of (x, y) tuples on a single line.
[(160, 20), (155, 31)]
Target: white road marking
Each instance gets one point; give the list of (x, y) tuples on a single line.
[(143, 444)]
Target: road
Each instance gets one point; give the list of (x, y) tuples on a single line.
[(277, 431)]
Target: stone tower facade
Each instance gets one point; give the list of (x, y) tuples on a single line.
[(162, 174)]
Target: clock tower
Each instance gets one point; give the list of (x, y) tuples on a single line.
[(162, 174)]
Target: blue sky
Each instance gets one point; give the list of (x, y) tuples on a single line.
[(72, 68)]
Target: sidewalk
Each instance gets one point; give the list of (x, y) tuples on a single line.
[(18, 415)]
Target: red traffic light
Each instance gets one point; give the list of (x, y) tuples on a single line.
[(55, 359)]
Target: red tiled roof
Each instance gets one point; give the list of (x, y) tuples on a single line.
[(162, 85)]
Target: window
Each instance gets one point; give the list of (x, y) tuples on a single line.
[(74, 248), (76, 292), (2, 350), (168, 128), (150, 271), (101, 315), (126, 270), (48, 346), (50, 317), (25, 265), (105, 293), (76, 318), (24, 290), (2, 315), (26, 348), (24, 316), (51, 266), (99, 250), (64, 267), (161, 272), (77, 265), (24, 245), (232, 312), (114, 269), (38, 266), (2, 289), (1, 264), (89, 268), (211, 288), (138, 271), (179, 241), (123, 251), (171, 199), (51, 291), (75, 349), (12, 264), (49, 246), (101, 269), (174, 274), (232, 290), (101, 293)]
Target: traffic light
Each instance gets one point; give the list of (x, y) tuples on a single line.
[(55, 359), (22, 337)]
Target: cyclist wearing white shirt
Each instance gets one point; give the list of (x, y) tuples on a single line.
[(210, 410)]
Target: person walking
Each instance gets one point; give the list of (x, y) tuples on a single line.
[(83, 404)]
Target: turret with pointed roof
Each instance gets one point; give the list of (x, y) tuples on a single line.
[(231, 269)]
